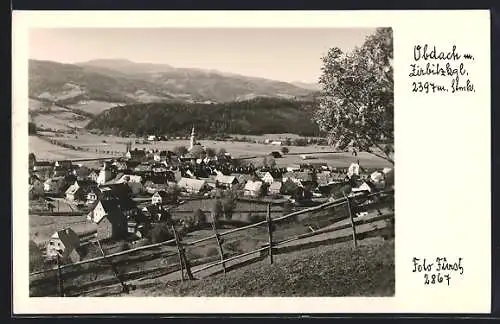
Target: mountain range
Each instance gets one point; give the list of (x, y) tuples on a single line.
[(122, 81)]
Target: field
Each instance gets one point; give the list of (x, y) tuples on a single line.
[(46, 151), (331, 271), (60, 120), (116, 145), (42, 227)]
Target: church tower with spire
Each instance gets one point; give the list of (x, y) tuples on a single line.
[(192, 142)]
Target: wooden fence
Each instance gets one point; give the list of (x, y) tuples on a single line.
[(119, 272)]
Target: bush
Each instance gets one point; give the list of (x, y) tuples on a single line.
[(199, 217), (285, 150), (160, 233), (255, 218)]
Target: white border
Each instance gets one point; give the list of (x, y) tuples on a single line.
[(454, 222)]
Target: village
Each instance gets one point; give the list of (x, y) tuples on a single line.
[(136, 198)]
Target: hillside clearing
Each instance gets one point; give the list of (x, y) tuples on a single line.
[(337, 270)]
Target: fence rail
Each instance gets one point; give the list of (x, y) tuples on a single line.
[(173, 252)]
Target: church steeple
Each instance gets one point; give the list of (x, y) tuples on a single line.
[(192, 142)]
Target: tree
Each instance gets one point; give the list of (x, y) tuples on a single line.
[(210, 152), (217, 209), (221, 153), (357, 103), (268, 162), (285, 150), (180, 150), (199, 217), (197, 151), (160, 233), (229, 204)]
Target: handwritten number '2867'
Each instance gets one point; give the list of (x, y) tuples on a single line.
[(434, 279)]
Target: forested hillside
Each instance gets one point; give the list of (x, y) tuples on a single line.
[(252, 117)]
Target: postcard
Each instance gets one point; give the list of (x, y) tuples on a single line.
[(245, 162)]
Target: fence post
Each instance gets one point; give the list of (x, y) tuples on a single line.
[(125, 288), (183, 256), (353, 225), (270, 230), (179, 253), (59, 278), (217, 238)]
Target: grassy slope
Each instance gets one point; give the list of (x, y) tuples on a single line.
[(331, 271)]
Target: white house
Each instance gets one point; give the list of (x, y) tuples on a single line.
[(268, 178), (159, 197), (63, 243), (353, 170), (104, 175), (53, 184), (192, 185), (226, 181), (253, 188)]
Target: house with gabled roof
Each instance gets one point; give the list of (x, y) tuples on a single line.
[(275, 188), (79, 189), (64, 244), (159, 197), (192, 186), (226, 181), (135, 154), (111, 214), (253, 188)]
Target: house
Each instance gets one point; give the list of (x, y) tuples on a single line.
[(79, 189), (82, 173), (109, 191), (135, 154), (365, 187), (161, 156), (353, 170), (64, 244), (93, 175), (275, 188), (143, 168), (243, 178), (293, 168), (110, 219), (105, 174), (192, 186), (377, 178), (59, 171), (65, 164), (152, 138), (159, 197), (268, 177), (278, 143), (226, 181), (156, 213), (42, 165), (120, 165), (55, 184), (253, 188), (133, 181)]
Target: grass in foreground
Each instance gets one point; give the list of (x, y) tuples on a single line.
[(327, 272)]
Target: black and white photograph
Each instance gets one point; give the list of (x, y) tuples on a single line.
[(211, 162)]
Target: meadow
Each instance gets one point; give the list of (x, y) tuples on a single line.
[(102, 146)]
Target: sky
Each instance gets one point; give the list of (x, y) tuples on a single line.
[(280, 54)]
